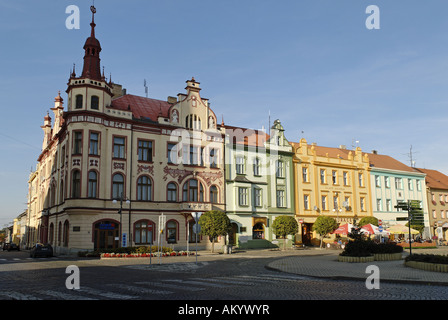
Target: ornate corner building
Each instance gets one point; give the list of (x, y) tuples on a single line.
[(117, 168)]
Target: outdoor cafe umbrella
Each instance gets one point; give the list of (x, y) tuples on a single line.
[(372, 229), (401, 229), (343, 229)]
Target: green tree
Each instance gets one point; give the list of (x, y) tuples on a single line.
[(323, 226), (367, 220), (214, 223), (283, 226)]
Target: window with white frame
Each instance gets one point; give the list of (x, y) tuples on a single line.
[(240, 165), (281, 199), (242, 196)]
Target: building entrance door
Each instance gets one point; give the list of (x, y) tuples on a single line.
[(307, 233), (106, 235)]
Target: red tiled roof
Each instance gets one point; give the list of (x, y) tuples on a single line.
[(249, 137), (435, 179), (141, 107), (387, 162)]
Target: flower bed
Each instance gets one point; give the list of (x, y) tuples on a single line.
[(146, 255), (416, 245)]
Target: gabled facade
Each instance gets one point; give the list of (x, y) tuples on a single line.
[(258, 183)]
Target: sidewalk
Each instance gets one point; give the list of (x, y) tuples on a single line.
[(327, 265)]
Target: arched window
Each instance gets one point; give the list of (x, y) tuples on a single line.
[(93, 184), (213, 194), (171, 192), (95, 102), (59, 233), (193, 191), (143, 231), (76, 184), (117, 186), (144, 189), (171, 231), (78, 104)]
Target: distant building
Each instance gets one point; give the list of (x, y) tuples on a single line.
[(437, 197), (393, 181)]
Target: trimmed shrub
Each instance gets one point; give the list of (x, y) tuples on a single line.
[(429, 258)]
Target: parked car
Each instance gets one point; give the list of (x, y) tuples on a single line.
[(10, 246), (41, 250)]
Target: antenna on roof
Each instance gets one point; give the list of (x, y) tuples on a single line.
[(146, 88), (411, 157)]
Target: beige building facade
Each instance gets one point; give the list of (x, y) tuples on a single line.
[(123, 170)]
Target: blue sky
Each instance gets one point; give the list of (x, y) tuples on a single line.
[(312, 64)]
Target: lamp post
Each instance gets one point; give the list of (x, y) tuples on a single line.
[(120, 213)]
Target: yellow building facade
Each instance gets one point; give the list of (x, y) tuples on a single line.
[(333, 182)]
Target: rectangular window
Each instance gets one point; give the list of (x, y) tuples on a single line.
[(361, 179), (306, 202), (336, 202), (387, 182), (346, 203), (213, 158), (389, 205), (240, 165), (345, 177), (419, 185), (281, 199), (322, 176), (93, 143), (280, 169), (410, 185), (257, 167), (258, 197), (334, 177), (324, 202), (398, 183), (242, 196), (305, 174), (362, 202), (77, 142), (193, 155), (119, 146), (377, 181), (145, 150), (379, 205), (172, 153)]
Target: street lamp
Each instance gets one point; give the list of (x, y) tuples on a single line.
[(120, 211), (197, 229)]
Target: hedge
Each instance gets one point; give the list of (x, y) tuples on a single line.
[(429, 258)]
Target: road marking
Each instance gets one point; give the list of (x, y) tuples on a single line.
[(64, 296), (169, 285), (139, 289), (229, 280), (200, 283), (106, 294), (18, 296)]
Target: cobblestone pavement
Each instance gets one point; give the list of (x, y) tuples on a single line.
[(246, 275)]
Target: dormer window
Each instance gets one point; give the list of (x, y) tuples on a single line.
[(78, 104)]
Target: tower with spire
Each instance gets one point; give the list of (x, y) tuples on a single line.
[(90, 91)]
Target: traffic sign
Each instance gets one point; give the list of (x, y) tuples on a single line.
[(196, 228)]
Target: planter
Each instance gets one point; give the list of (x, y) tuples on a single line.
[(387, 256), (355, 259), (427, 266)]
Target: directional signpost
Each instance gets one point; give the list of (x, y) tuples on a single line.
[(415, 214)]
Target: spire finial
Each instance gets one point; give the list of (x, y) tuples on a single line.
[(93, 9)]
